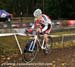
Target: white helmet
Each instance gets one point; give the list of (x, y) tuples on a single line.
[(37, 12)]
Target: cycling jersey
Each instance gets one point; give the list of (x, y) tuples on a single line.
[(44, 22)]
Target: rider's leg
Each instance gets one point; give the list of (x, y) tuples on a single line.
[(38, 30), (46, 43), (46, 33), (46, 39)]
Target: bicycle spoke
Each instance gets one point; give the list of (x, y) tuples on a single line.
[(29, 56)]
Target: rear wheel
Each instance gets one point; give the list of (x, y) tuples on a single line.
[(50, 44), (29, 56), (48, 48)]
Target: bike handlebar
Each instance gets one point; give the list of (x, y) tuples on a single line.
[(33, 32)]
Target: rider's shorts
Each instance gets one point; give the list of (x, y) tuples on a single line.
[(47, 31)]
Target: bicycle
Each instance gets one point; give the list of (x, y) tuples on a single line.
[(34, 45)]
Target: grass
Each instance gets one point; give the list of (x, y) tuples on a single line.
[(8, 45), (64, 45), (65, 32)]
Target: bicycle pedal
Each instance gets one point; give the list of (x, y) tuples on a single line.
[(46, 52)]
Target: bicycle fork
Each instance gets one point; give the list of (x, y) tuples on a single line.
[(33, 43)]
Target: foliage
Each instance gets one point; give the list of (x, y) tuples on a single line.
[(55, 8)]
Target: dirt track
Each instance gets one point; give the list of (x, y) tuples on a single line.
[(63, 57)]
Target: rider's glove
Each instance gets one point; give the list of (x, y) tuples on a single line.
[(29, 30)]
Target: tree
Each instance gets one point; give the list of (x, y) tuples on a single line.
[(54, 8), (68, 9)]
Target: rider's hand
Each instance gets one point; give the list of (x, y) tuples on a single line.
[(29, 30), (39, 31)]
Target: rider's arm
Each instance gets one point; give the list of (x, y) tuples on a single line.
[(45, 28), (35, 24)]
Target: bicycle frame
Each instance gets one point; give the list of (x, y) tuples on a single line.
[(35, 43), (37, 39)]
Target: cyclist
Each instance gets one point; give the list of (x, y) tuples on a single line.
[(44, 25)]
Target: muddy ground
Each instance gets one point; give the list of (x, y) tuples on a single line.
[(60, 57)]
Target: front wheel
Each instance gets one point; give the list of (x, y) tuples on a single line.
[(29, 55)]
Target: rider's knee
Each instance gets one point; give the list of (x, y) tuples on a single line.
[(45, 35)]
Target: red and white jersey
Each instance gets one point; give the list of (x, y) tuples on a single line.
[(44, 20)]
